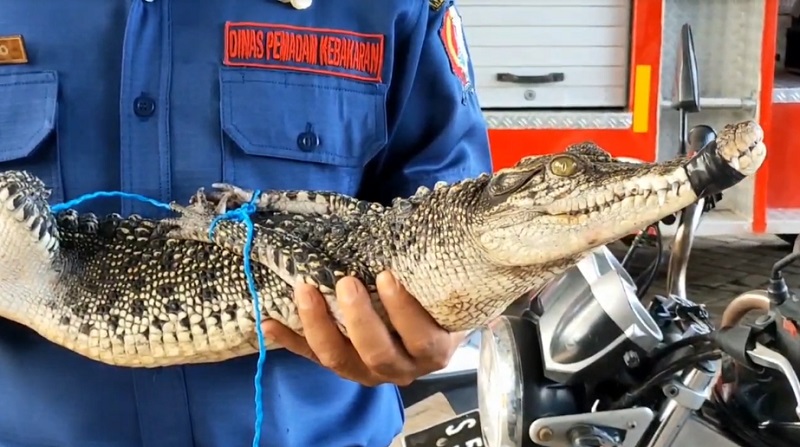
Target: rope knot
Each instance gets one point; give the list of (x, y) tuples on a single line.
[(241, 214), (249, 207)]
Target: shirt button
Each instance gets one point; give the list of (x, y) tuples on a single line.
[(144, 106), (307, 141)]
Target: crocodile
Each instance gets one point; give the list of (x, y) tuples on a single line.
[(143, 292)]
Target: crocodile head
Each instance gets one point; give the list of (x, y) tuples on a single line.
[(28, 230), (556, 206)]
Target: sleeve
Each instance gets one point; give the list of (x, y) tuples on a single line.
[(437, 131)]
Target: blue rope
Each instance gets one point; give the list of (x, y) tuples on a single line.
[(96, 195), (241, 214)]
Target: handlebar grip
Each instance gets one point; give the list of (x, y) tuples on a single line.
[(700, 137), (736, 341)]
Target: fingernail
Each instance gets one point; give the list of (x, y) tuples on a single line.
[(268, 336), (396, 286), (305, 301), (265, 330), (389, 282), (348, 291)]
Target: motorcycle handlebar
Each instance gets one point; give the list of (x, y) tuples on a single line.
[(746, 346)]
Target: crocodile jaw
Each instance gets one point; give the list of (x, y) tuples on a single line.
[(570, 226)]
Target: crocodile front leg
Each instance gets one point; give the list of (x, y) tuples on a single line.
[(294, 201), (292, 259)]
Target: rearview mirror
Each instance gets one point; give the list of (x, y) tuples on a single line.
[(686, 95)]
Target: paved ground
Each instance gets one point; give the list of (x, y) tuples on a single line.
[(721, 268)]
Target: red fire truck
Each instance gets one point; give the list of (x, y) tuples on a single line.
[(550, 73)]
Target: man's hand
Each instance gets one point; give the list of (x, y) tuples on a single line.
[(372, 355)]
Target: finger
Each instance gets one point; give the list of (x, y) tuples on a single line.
[(295, 343), (368, 333), (422, 337), (282, 335), (331, 347)]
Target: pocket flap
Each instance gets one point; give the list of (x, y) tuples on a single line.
[(27, 112), (321, 119)]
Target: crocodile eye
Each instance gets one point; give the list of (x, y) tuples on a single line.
[(504, 183), (563, 166)]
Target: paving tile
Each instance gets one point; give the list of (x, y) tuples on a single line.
[(720, 268)]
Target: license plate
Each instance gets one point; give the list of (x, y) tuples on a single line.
[(463, 430)]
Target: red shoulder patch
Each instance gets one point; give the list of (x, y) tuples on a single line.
[(332, 52), (452, 34)]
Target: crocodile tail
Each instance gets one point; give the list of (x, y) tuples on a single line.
[(26, 220)]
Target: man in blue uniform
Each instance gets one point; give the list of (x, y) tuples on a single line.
[(159, 97)]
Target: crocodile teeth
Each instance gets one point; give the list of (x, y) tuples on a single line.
[(662, 197), (20, 214), (638, 193), (659, 183), (735, 163), (11, 205)]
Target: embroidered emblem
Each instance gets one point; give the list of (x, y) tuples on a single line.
[(298, 4), (436, 4), (345, 54), (452, 34), (12, 50)]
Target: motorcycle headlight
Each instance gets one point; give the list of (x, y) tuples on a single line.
[(512, 389), (500, 385)]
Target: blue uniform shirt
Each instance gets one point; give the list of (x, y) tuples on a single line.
[(159, 97)]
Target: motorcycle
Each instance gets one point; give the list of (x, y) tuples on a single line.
[(590, 361), (590, 365)]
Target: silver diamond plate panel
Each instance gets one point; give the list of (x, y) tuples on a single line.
[(727, 38), (558, 120), (786, 95)]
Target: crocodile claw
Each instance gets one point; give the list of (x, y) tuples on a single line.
[(228, 196)]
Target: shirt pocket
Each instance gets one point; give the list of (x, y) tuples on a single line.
[(286, 130), (28, 113)]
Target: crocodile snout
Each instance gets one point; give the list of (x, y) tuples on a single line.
[(738, 152)]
